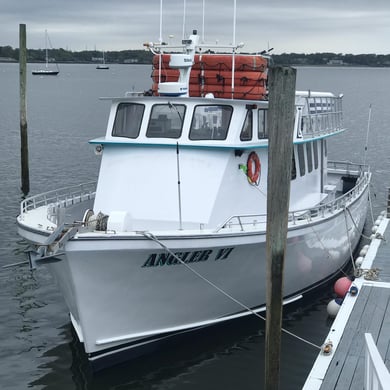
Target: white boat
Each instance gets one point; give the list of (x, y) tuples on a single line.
[(47, 71), (103, 65), (173, 236)]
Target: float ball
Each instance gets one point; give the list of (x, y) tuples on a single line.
[(353, 290), (334, 307), (342, 286), (359, 261)]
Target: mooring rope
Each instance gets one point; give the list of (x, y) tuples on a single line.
[(155, 239), (356, 227), (326, 250), (349, 240), (370, 203)]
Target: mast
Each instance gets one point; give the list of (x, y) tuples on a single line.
[(46, 54)]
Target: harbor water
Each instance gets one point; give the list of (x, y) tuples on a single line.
[(39, 349)]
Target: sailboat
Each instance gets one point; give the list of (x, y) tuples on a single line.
[(103, 65), (46, 71)]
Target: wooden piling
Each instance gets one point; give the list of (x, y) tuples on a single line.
[(280, 138), (23, 116)]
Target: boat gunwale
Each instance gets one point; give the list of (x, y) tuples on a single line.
[(294, 217)]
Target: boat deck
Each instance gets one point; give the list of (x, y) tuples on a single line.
[(366, 312)]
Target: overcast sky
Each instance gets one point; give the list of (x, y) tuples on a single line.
[(303, 26)]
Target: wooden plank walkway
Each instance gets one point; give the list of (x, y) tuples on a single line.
[(367, 312)]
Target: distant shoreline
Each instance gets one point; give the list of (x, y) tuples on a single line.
[(143, 57)]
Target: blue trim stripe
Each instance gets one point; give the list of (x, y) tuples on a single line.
[(200, 145)]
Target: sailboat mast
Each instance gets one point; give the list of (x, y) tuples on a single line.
[(46, 55)]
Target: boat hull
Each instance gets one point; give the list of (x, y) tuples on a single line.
[(45, 72), (126, 293)]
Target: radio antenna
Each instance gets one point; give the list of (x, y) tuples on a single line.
[(203, 11), (178, 185), (184, 19), (368, 131), (234, 46), (161, 8)]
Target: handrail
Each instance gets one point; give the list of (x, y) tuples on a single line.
[(308, 213), (66, 196), (324, 115), (376, 374)]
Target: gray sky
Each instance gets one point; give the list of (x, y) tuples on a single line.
[(303, 26)]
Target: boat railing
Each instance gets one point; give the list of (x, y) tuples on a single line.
[(376, 374), (324, 209), (324, 116), (347, 167), (63, 197)]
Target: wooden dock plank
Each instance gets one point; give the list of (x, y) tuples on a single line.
[(367, 316), (339, 359), (369, 313), (382, 342), (358, 376)]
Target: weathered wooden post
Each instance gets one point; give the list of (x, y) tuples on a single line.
[(280, 137), (23, 116)]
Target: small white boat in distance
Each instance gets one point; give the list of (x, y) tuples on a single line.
[(176, 224), (103, 65)]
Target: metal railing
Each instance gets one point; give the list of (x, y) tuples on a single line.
[(376, 374), (324, 115), (308, 214), (63, 197)]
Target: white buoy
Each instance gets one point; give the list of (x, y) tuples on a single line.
[(383, 213), (364, 250), (374, 229), (372, 237), (359, 261), (377, 222), (334, 307)]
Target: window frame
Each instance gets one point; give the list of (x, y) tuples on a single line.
[(194, 119), (160, 131), (140, 119)]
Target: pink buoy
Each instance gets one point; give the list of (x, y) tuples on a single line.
[(342, 285)]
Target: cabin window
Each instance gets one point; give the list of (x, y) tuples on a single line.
[(315, 149), (309, 155), (166, 121), (262, 124), (210, 122), (128, 120), (301, 159), (325, 148), (246, 132), (293, 168)]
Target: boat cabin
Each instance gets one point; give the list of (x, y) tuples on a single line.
[(191, 157)]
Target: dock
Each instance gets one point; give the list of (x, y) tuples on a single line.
[(356, 352)]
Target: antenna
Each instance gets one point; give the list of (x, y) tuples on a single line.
[(368, 131), (203, 11), (234, 46), (234, 23), (178, 185), (161, 8), (160, 41), (184, 19)]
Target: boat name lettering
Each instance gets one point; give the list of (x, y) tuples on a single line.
[(160, 259)]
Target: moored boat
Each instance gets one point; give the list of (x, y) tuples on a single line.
[(176, 224), (46, 71), (103, 65)]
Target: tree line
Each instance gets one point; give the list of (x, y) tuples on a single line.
[(7, 53)]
